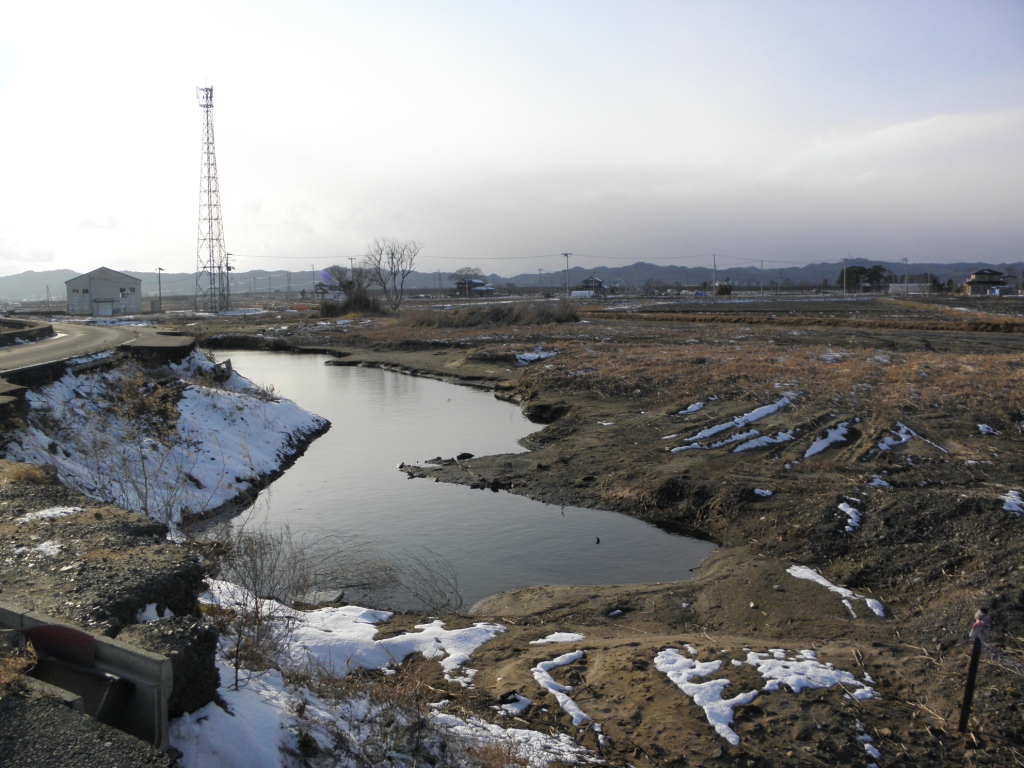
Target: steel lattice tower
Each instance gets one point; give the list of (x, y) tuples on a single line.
[(212, 290)]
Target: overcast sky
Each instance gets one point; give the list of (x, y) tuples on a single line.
[(502, 133)]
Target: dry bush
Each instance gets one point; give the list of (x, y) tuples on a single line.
[(31, 473), (515, 313), (273, 571), (388, 719), (15, 662)]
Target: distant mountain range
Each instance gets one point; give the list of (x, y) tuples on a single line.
[(36, 286)]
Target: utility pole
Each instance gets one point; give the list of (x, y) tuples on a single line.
[(227, 280), (906, 286), (844, 277), (211, 274), (567, 255), (159, 290), (288, 295), (312, 269), (762, 279), (714, 277), (540, 281), (778, 286)]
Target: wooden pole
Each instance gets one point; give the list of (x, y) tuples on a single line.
[(978, 633)]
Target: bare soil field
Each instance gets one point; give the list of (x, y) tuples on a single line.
[(875, 442)]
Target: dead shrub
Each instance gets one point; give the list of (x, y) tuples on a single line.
[(15, 662), (516, 313), (31, 473)]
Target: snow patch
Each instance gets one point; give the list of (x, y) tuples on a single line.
[(836, 434), (52, 513), (803, 572), (560, 637)]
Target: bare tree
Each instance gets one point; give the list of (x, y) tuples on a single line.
[(464, 273), (335, 276), (389, 261)]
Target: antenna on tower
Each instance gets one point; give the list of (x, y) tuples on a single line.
[(211, 260)]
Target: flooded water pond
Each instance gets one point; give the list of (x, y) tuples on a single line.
[(348, 481)]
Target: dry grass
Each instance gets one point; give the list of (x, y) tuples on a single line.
[(28, 473), (15, 662), (973, 323), (989, 385), (515, 313)]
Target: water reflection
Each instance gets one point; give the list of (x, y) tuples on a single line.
[(348, 481)]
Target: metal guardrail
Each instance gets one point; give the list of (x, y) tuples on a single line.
[(130, 686)]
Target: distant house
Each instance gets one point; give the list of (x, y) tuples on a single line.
[(473, 287), (986, 282), (104, 293), (594, 285)]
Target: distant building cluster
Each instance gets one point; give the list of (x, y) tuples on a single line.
[(987, 282)]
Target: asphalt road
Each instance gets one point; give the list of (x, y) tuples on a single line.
[(72, 340)]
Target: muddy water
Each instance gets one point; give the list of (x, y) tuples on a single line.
[(348, 481)]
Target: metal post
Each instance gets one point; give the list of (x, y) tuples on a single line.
[(978, 633), (567, 255), (159, 290)]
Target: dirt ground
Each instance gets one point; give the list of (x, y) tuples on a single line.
[(928, 399), (935, 541)]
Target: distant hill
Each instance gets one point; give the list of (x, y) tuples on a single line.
[(32, 285)]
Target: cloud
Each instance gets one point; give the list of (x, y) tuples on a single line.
[(110, 223), (921, 148)]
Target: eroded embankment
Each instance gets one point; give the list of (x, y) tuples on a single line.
[(175, 442)]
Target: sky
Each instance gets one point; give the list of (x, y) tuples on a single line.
[(503, 134)]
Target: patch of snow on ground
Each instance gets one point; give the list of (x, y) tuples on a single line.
[(762, 492), (803, 671), (1012, 502), (342, 638), (764, 441), (878, 482), (797, 670), (538, 748), (742, 420), (903, 434), (852, 515), (985, 429), (803, 572), (870, 748), (542, 674), (251, 734), (49, 548), (708, 695), (152, 613), (692, 409), (516, 706), (836, 434), (560, 637), (48, 514), (531, 357)]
